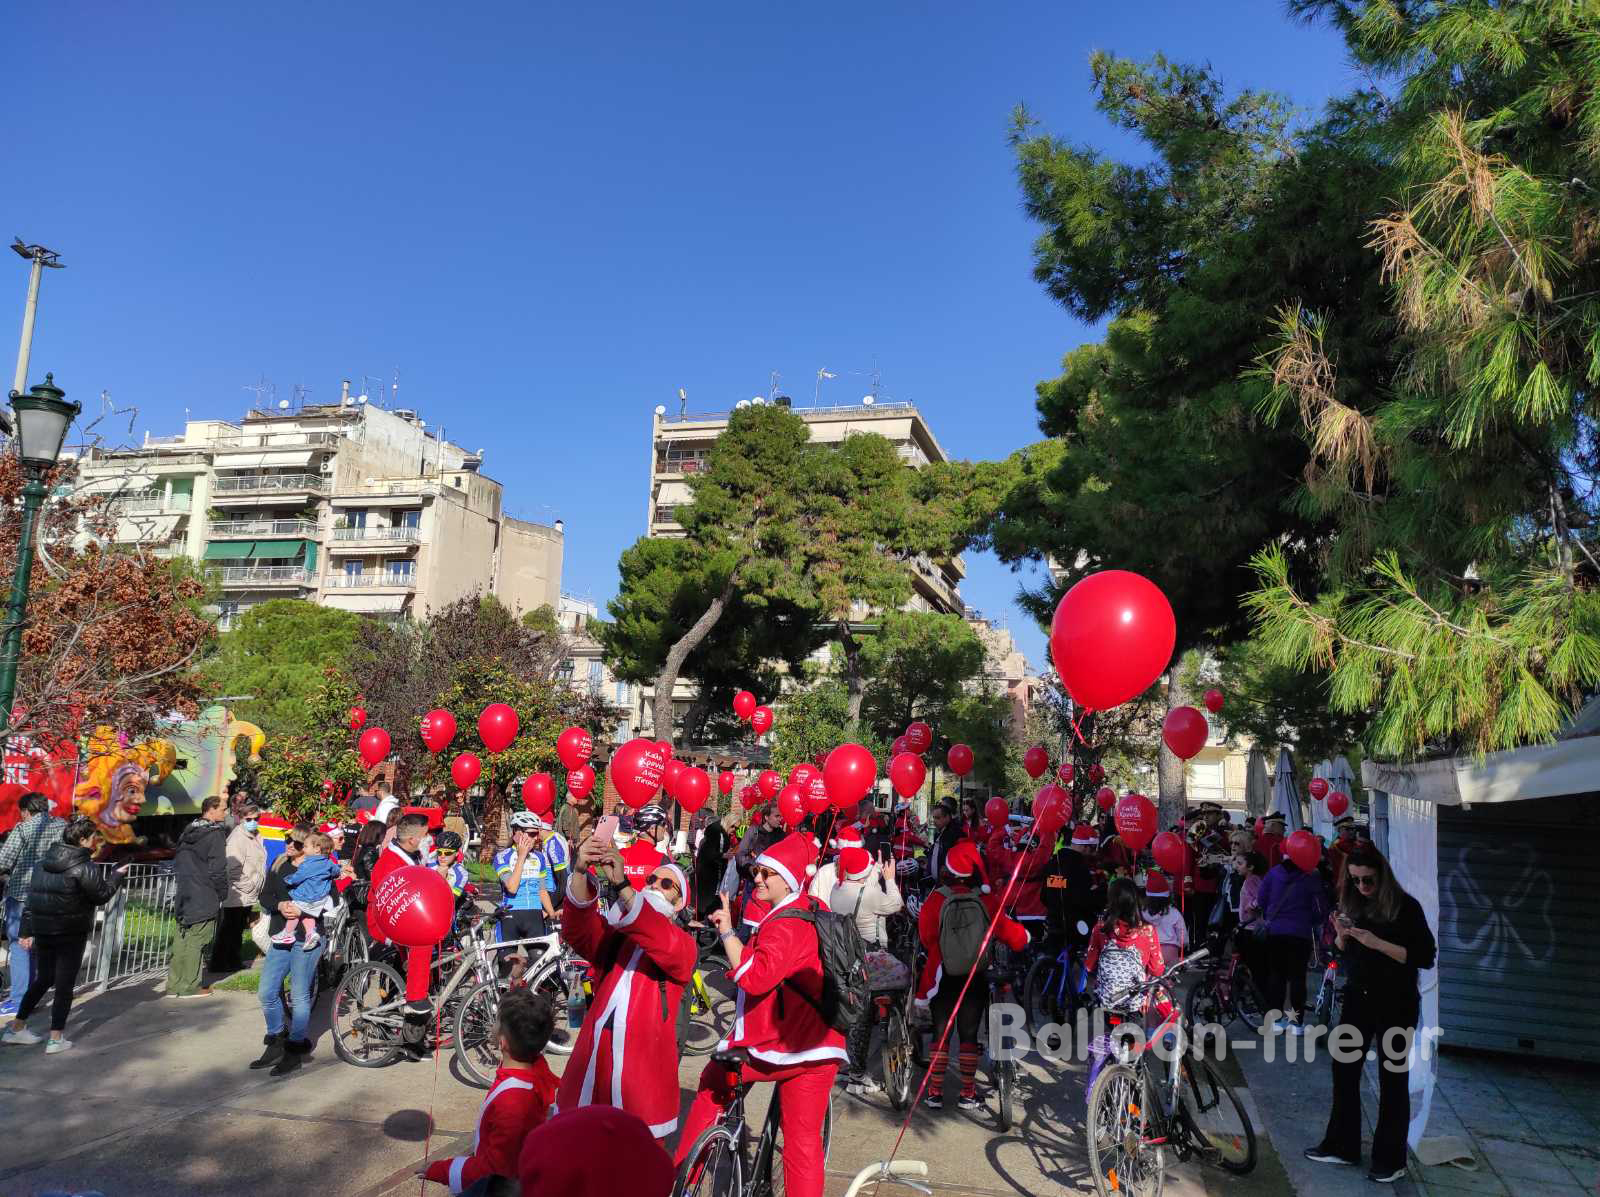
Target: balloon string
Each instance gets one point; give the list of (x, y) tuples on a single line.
[(1076, 719), (427, 1145)]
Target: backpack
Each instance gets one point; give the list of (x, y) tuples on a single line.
[(1121, 967), (845, 992), (963, 922)]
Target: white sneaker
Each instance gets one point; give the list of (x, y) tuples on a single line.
[(24, 1037), (57, 1045)]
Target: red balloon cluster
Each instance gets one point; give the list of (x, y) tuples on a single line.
[(373, 745), (906, 773), (1185, 730), (636, 770), (1036, 760), (539, 793), (901, 744), (412, 907), (919, 736), (1136, 821), (1304, 849), (580, 782), (574, 746), (670, 772), (959, 758), (438, 729), (1111, 637), (816, 795)]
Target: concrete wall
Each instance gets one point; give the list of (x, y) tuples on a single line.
[(528, 573), (457, 555)]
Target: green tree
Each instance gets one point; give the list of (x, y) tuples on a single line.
[(277, 655), (295, 766), (815, 720), (916, 665)]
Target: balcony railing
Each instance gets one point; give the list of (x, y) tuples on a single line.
[(247, 483), (365, 580), (667, 513), (228, 529), (149, 502), (391, 534), (267, 440), (262, 575)]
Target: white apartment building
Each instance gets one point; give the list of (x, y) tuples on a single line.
[(346, 504), (1005, 668), (585, 667)]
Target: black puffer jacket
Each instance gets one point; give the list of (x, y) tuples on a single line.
[(66, 888), (201, 866)]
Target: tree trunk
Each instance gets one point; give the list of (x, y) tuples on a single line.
[(694, 721), (661, 715), (494, 817), (852, 672), (1170, 771)]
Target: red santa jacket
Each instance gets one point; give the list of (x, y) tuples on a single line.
[(516, 1104), (1027, 896), (1271, 847), (1008, 931), (639, 860), (391, 858), (643, 959), (773, 1022)]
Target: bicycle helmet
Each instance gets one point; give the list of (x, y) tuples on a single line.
[(447, 841), (526, 820), (648, 817)]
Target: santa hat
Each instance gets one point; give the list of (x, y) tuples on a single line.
[(845, 836), (1156, 885), (963, 861), (594, 1151), (1083, 836), (792, 858), (333, 829), (854, 863)]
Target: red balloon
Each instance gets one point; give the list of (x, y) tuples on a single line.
[(997, 811), (1213, 701), (438, 729), (1064, 772), (849, 774), (769, 783), (815, 796), (744, 704), (906, 773), (664, 747), (1111, 637), (580, 781), (802, 774), (761, 720), (750, 797), (1171, 854), (670, 774), (358, 718), (412, 907), (1338, 803), (636, 770), (539, 793), (1304, 849), (1136, 820), (1185, 731), (901, 744), (1105, 798), (1096, 775), (694, 787), (1051, 806), (1036, 760), (725, 782), (465, 769), (574, 746), (791, 805), (959, 758), (373, 745), (919, 736), (497, 726), (1318, 789)]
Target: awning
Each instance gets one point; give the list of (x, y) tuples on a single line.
[(1545, 771), (278, 549), (366, 604), (262, 457), (228, 550)]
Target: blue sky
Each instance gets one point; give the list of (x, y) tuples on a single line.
[(549, 218)]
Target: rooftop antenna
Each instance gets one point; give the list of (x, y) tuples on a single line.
[(394, 389), (772, 392), (261, 389), (683, 403), (816, 395), (301, 390)]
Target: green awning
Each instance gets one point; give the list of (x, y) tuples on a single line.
[(277, 549), (228, 550), (311, 556)]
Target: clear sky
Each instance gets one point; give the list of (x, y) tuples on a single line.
[(551, 217)]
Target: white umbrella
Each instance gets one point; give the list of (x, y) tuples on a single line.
[(1285, 798), (1257, 784), (1321, 820)]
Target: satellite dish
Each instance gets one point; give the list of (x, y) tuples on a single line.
[(661, 409), (868, 400), (283, 405), (361, 398), (758, 401)]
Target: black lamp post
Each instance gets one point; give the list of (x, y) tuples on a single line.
[(41, 419)]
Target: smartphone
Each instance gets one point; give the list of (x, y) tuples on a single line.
[(606, 829)]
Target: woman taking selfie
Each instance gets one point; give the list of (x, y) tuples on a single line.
[(1386, 942)]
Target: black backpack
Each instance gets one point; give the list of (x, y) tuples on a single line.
[(845, 992)]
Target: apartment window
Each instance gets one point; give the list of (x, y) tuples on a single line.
[(596, 678), (408, 519), (355, 519), (620, 698), (353, 569), (227, 616), (403, 572)]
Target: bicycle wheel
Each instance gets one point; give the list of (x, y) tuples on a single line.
[(1202, 1005), (703, 1018), (368, 1014), (1247, 1003), (477, 1044), (1041, 992), (1005, 1091), (550, 982), (1119, 1127), (713, 1168), (1215, 1118), (899, 1070)]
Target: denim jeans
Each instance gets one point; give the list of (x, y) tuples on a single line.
[(299, 966), (20, 958)]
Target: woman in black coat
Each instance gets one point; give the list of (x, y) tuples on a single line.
[(66, 888)]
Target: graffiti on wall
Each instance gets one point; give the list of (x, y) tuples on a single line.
[(1508, 926)]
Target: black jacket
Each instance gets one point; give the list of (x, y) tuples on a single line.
[(201, 867), (65, 890), (941, 845)]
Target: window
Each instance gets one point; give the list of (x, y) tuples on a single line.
[(352, 569), (596, 677), (355, 519), (227, 616), (403, 573), (621, 695), (408, 519)]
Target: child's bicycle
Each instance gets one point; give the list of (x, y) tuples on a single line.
[(1227, 991), (1056, 987), (1329, 1006)]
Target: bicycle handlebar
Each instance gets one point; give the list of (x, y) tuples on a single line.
[(890, 1170)]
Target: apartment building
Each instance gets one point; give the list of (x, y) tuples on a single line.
[(1005, 668), (585, 667), (346, 504)]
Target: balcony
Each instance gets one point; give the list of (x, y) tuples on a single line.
[(236, 529), (253, 577), (268, 440), (378, 578), (148, 502), (362, 540), (250, 484)]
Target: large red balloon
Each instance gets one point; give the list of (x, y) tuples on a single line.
[(664, 747), (412, 907), (1036, 760), (574, 746), (919, 736), (539, 793), (998, 811), (1111, 637), (580, 781), (497, 726), (1318, 789), (670, 773), (744, 704), (761, 720), (1064, 772), (1171, 854), (465, 770), (959, 758), (725, 782), (1185, 731), (815, 796), (694, 787), (438, 729), (802, 774), (750, 798), (769, 783), (358, 718), (791, 805), (636, 770), (1136, 820), (1304, 849), (849, 774), (1105, 798), (1213, 701), (906, 774), (901, 744), (1338, 803), (374, 746)]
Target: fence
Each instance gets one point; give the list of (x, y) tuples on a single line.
[(132, 936)]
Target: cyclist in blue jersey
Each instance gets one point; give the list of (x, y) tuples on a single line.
[(558, 855), (525, 880)]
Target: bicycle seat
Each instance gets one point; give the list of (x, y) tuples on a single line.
[(734, 1058)]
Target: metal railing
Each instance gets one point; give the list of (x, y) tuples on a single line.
[(262, 575), (858, 409), (132, 935), (267, 440), (270, 482), (393, 534), (375, 578), (225, 528)]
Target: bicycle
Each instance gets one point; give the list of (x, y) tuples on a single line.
[(890, 1172), (1329, 1006), (347, 945), (1228, 992), (1136, 1110), (1004, 967), (699, 1002), (1055, 988), (721, 1162)]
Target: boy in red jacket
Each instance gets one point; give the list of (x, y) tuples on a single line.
[(523, 1089)]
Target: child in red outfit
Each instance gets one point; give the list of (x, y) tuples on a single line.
[(523, 1089)]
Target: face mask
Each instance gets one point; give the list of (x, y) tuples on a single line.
[(250, 825)]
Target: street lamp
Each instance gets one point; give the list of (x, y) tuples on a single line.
[(41, 418)]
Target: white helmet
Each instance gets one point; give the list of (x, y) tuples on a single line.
[(526, 820)]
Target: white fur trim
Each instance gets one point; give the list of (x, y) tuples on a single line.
[(781, 869), (573, 898), (662, 1129), (814, 1053), (616, 1015), (458, 1168)]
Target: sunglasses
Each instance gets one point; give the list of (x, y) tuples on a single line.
[(761, 872), (297, 843), (1364, 880), (663, 883)]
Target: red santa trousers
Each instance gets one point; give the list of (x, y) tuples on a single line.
[(803, 1091)]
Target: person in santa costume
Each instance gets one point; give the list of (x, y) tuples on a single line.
[(627, 1052), (642, 857), (939, 990), (597, 1151), (827, 875), (1030, 860), (778, 979), (401, 852)]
